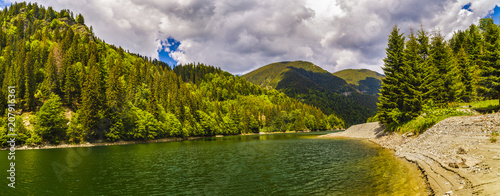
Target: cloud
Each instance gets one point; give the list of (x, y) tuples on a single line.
[(240, 36)]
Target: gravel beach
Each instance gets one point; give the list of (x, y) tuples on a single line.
[(456, 155)]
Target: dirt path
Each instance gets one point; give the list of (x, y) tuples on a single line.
[(455, 155)]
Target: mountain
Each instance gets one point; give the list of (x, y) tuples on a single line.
[(70, 86), (311, 84), (366, 81)]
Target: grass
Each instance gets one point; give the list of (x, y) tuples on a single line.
[(433, 115), (429, 118), (488, 105), (353, 76), (493, 137)]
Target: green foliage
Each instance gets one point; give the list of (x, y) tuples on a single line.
[(431, 115), (50, 121), (312, 85), (354, 76), (269, 75), (483, 105), (442, 73), (490, 72), (114, 95), (80, 19), (391, 96), (364, 80)]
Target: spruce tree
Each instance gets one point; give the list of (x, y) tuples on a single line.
[(29, 96), (50, 83), (89, 114), (442, 77), (390, 94), (467, 73), (490, 75), (411, 83), (115, 98)]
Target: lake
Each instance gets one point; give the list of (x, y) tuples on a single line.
[(273, 164)]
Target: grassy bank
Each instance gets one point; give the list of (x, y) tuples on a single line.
[(433, 115)]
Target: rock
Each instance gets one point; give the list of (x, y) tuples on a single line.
[(453, 165), (449, 193), (461, 150), (469, 162)]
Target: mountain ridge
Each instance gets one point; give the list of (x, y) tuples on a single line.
[(313, 85)]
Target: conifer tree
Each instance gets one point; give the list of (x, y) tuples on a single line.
[(411, 83), (467, 73), (80, 19), (30, 83), (90, 116), (490, 75), (390, 94), (442, 75), (115, 97), (50, 83)]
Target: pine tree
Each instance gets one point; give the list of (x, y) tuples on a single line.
[(71, 86), (89, 114), (50, 83), (390, 94), (115, 98), (490, 75), (80, 19), (467, 73), (423, 44), (29, 96), (427, 71), (411, 84), (442, 77)]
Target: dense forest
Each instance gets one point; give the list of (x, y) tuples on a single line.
[(313, 85), (424, 70), (73, 87)]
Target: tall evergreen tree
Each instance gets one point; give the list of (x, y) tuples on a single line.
[(411, 84), (390, 94), (51, 82), (29, 96), (467, 73), (89, 111), (443, 77), (490, 76)]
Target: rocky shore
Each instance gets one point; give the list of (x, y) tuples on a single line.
[(455, 156)]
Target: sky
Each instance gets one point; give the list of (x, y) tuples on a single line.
[(242, 35)]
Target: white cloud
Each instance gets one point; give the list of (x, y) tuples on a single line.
[(241, 35)]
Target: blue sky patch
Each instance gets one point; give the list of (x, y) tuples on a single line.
[(169, 46), (467, 7), (495, 14), (3, 4)]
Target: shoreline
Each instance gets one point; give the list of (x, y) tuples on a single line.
[(455, 156), (130, 142)]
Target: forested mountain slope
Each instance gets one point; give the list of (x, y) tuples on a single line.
[(72, 87), (313, 85), (366, 81)]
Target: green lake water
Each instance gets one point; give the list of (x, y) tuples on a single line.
[(276, 164)]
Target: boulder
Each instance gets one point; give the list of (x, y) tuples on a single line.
[(461, 150)]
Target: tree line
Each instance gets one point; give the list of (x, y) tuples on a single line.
[(426, 70), (73, 87)]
